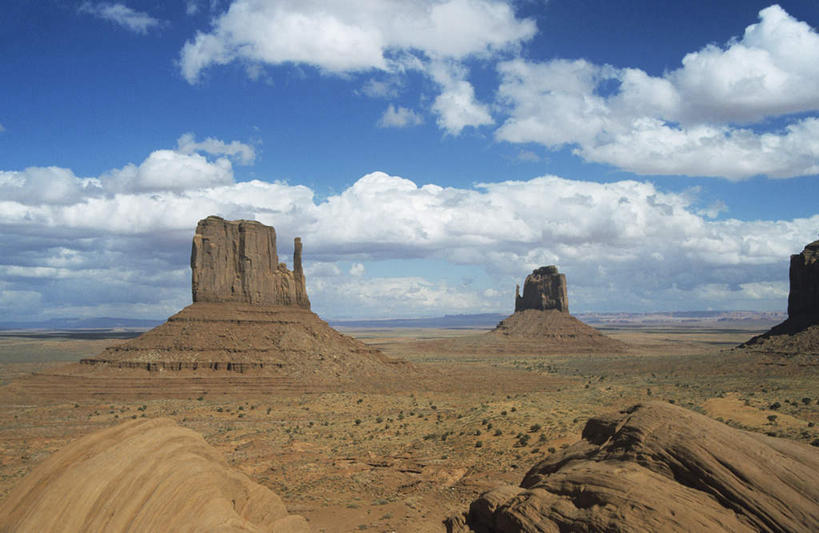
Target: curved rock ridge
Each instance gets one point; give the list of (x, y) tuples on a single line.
[(658, 467), (799, 334), (236, 261), (143, 475)]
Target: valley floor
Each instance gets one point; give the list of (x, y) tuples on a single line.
[(405, 460)]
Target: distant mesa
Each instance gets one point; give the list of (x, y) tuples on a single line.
[(542, 316), (250, 314), (143, 475), (658, 467), (799, 334)]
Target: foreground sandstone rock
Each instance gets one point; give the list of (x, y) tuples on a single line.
[(658, 467), (799, 334), (143, 475), (542, 316)]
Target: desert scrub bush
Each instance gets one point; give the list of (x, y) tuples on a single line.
[(523, 440), (534, 428), (498, 432), (479, 444), (774, 406), (357, 421)]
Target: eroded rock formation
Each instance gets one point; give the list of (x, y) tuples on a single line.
[(803, 299), (143, 475), (658, 467), (542, 316), (251, 315), (799, 334), (544, 288), (236, 261)]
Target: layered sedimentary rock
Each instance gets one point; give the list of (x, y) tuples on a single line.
[(542, 316), (658, 467), (143, 475), (799, 334), (544, 288), (236, 261), (250, 314)]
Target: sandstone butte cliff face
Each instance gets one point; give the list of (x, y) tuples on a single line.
[(236, 261), (803, 299), (658, 467), (799, 334), (543, 289), (143, 475)]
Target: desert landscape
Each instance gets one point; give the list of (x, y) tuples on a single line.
[(462, 266), (400, 429)]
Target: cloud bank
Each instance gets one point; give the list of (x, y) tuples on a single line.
[(697, 120), (747, 108), (118, 243)]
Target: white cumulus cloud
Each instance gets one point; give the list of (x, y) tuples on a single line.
[(120, 242), (130, 19), (399, 117), (353, 35), (697, 120)]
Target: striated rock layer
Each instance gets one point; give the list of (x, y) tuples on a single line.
[(271, 340), (658, 467), (143, 475), (799, 334)]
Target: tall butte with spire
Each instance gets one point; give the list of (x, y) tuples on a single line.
[(250, 314)]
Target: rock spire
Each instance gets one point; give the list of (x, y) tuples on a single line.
[(544, 288), (236, 261)]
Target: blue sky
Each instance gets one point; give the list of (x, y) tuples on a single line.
[(430, 153)]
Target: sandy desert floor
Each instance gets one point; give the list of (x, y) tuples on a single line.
[(405, 460)]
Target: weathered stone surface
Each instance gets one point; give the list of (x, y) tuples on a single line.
[(236, 261), (143, 475), (803, 299), (658, 467), (543, 289)]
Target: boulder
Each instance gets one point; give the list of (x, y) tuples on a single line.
[(544, 289), (658, 467)]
